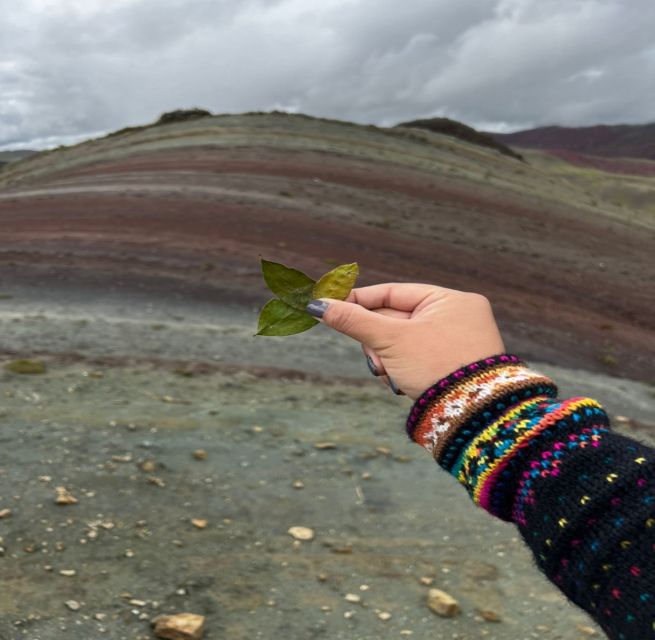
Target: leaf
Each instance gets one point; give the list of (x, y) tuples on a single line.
[(337, 283), (277, 318), (290, 285)]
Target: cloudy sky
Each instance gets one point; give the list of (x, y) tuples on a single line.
[(71, 68)]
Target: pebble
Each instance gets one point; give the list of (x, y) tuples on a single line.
[(199, 454), (490, 616), (353, 597), (180, 626), (67, 572), (301, 533), (64, 497), (199, 523), (426, 580), (443, 604), (298, 484), (384, 616), (588, 631), (5, 513), (324, 445), (149, 466), (73, 605)]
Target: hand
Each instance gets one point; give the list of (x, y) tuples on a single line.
[(415, 334)]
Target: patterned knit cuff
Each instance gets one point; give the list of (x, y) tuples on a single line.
[(455, 409)]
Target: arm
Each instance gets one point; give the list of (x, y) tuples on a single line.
[(582, 496)]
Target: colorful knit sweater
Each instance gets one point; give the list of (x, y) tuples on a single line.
[(583, 497)]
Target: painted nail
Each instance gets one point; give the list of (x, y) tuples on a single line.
[(394, 388), (371, 366), (317, 308)]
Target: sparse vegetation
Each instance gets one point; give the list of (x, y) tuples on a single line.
[(449, 127), (26, 367)]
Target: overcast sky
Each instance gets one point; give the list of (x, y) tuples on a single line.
[(71, 68)]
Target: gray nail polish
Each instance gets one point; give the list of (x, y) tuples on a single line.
[(394, 388), (317, 308), (371, 366)]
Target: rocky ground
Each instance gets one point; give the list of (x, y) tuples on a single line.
[(294, 433)]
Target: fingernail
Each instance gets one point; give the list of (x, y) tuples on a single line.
[(371, 366), (394, 388), (317, 308)]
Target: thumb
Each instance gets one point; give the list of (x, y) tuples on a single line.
[(352, 319)]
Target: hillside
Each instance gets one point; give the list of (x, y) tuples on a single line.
[(617, 141), (456, 129), (187, 208)]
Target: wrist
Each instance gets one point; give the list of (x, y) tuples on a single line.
[(457, 408)]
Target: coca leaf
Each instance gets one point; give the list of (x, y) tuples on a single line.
[(337, 283), (289, 285), (277, 318)]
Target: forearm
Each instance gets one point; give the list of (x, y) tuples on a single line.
[(580, 494)]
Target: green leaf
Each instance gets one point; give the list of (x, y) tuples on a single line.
[(337, 283), (277, 318), (290, 285)]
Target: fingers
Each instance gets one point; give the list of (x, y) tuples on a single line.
[(365, 326), (373, 361), (392, 295)]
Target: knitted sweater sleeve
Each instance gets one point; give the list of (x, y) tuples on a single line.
[(582, 496)]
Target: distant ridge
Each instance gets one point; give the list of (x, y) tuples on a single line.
[(456, 129), (613, 141), (13, 156)]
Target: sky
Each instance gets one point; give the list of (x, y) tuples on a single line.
[(71, 69)]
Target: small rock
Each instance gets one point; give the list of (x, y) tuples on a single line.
[(353, 597), (298, 484), (301, 533), (366, 475), (342, 550), (149, 466), (324, 445), (588, 631), (385, 451), (199, 523), (100, 616), (122, 458), (73, 605), (384, 616), (5, 513), (67, 572), (623, 420), (199, 454), (322, 577), (137, 603), (426, 580), (443, 604), (156, 480), (348, 614), (180, 626), (490, 616), (64, 497)]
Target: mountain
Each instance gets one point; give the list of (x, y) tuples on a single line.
[(186, 208), (12, 156), (456, 129), (616, 141)]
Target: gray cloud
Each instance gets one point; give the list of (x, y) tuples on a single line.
[(75, 67)]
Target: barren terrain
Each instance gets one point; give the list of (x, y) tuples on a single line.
[(129, 266)]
